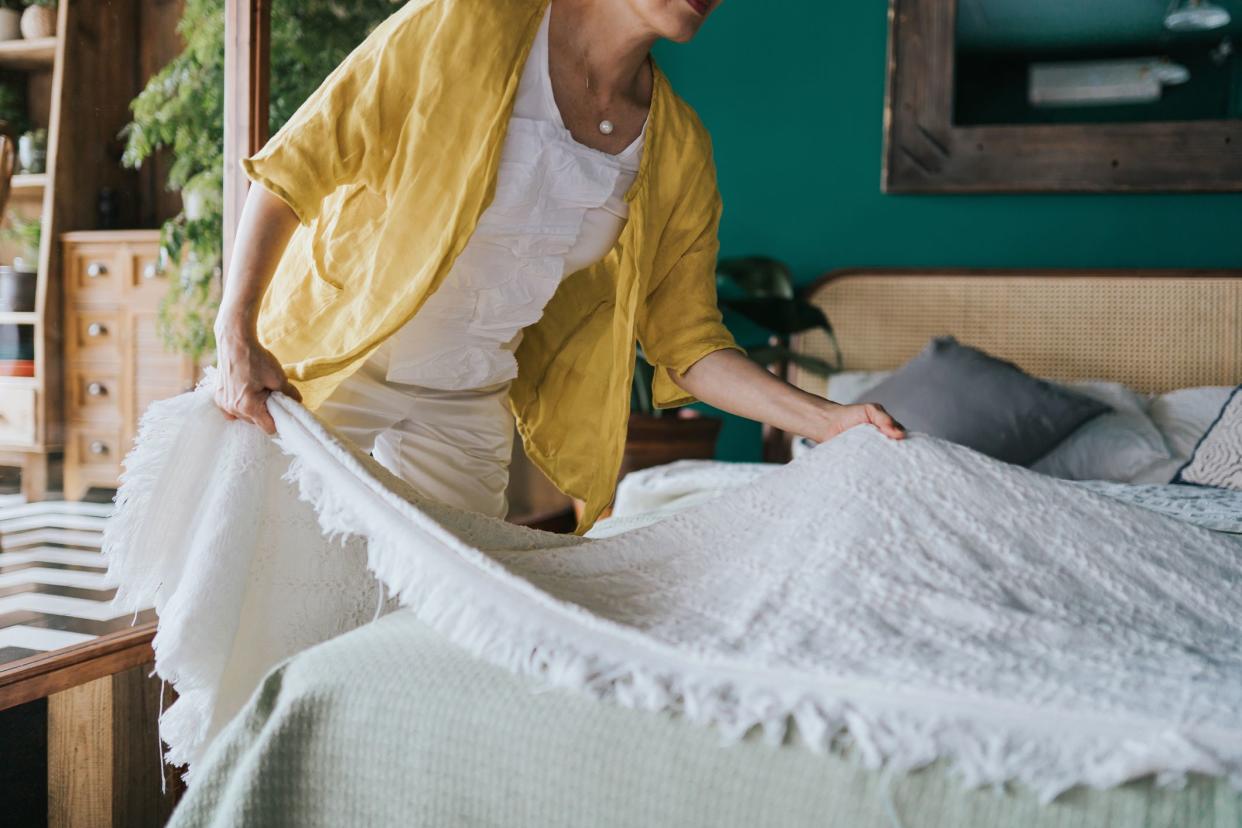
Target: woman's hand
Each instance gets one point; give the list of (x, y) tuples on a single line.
[(731, 382), (248, 373), (839, 418)]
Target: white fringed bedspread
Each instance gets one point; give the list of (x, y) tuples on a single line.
[(914, 597)]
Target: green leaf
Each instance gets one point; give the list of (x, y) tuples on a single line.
[(756, 277), (783, 317), (642, 401), (181, 110), (772, 354)]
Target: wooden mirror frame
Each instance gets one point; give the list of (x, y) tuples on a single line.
[(925, 152), (247, 79)]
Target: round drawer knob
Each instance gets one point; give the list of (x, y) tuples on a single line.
[(96, 389), (96, 329), (96, 269), (150, 271), (98, 447)]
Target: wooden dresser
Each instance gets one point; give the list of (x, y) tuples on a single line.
[(115, 363)]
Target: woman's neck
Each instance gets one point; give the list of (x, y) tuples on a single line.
[(608, 43)]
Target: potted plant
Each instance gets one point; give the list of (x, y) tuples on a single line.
[(17, 283), (39, 19), (10, 19), (180, 110), (32, 151), (760, 290), (28, 234)]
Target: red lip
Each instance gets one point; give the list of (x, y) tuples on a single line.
[(700, 6)]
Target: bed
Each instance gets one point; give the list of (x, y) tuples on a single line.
[(471, 744)]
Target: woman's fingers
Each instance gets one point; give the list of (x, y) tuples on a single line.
[(881, 419), (250, 406), (254, 409), (223, 406), (290, 390), (249, 373)]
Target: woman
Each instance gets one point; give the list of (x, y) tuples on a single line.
[(473, 219)]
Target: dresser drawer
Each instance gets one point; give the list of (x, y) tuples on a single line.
[(94, 393), (17, 416), (95, 334), (96, 450), (95, 272), (147, 284)]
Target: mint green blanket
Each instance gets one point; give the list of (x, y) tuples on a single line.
[(391, 725)]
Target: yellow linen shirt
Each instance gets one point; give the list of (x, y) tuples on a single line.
[(389, 165)]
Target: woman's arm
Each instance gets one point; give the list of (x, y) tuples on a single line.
[(729, 381), (248, 371)]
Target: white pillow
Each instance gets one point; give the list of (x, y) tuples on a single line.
[(1183, 417), (850, 386), (1118, 446), (1217, 460)]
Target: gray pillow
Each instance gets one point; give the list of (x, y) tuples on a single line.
[(961, 394), (1217, 460)]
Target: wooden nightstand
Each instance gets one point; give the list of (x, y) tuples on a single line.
[(115, 364)]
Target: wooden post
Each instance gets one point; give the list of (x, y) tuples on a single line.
[(247, 65)]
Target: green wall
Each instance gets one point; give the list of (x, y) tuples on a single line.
[(793, 94)]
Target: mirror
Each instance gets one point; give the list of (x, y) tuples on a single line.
[(1063, 96), (1104, 61)]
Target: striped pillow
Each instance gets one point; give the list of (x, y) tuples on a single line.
[(1217, 460)]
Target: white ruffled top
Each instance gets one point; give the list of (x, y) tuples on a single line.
[(559, 207)]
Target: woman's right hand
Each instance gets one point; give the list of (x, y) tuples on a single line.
[(248, 373)]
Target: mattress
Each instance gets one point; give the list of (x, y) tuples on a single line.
[(391, 725)]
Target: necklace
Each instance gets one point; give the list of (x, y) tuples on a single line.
[(605, 126)]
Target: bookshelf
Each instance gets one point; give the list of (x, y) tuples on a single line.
[(78, 85)]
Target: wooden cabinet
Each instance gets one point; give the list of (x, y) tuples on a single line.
[(78, 85), (115, 364)]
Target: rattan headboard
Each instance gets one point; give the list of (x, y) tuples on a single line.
[(1152, 330)]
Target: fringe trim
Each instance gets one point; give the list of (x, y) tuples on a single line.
[(147, 570), (139, 576)]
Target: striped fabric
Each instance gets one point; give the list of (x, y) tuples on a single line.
[(53, 589), (1217, 460)]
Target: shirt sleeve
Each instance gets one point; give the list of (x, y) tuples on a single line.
[(680, 321), (338, 134)]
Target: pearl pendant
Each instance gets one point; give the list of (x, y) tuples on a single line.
[(605, 126)]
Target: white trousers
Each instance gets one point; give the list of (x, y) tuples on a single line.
[(452, 446)]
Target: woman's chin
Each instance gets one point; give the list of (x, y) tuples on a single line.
[(684, 32)]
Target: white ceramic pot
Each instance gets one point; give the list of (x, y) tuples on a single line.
[(194, 203), (32, 153), (38, 21), (10, 24)]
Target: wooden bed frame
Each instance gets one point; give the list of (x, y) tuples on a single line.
[(1153, 330)]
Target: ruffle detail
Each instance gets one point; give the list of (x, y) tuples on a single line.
[(465, 334)]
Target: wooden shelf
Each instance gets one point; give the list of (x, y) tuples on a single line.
[(35, 54), (27, 382), (29, 184)]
